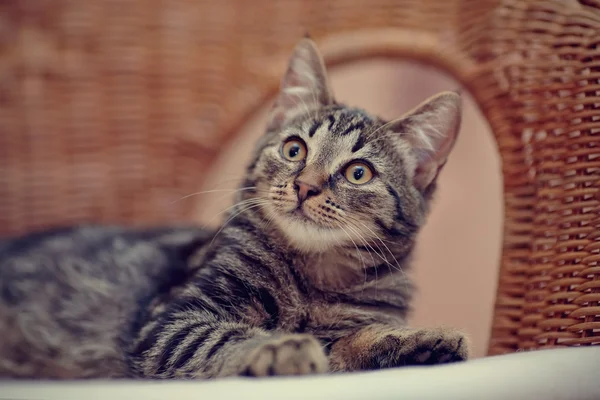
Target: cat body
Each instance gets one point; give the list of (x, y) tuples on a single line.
[(71, 299), (307, 274)]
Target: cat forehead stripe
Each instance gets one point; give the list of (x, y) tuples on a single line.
[(322, 125), (341, 122), (357, 126)]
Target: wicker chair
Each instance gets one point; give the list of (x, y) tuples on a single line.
[(112, 109)]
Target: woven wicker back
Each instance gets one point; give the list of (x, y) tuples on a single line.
[(112, 109)]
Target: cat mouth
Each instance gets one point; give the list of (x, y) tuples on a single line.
[(298, 213)]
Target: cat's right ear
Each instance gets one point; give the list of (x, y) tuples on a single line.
[(304, 86)]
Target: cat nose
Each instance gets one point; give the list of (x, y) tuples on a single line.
[(305, 190)]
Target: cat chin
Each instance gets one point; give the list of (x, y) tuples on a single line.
[(307, 237)]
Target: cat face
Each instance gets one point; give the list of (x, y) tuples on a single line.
[(330, 175)]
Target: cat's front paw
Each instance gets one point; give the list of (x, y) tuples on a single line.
[(287, 355), (420, 347)]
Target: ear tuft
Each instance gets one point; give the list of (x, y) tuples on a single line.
[(304, 86), (431, 130)]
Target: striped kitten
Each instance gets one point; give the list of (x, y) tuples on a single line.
[(306, 277)]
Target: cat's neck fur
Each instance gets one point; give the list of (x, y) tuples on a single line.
[(341, 269)]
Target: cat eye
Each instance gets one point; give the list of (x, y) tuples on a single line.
[(294, 150), (358, 173)]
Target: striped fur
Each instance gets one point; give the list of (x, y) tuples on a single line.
[(287, 286)]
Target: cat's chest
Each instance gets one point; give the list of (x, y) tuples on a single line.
[(336, 271), (309, 292), (305, 303)]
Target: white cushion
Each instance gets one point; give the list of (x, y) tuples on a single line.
[(570, 374)]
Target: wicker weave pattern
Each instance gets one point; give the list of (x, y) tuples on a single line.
[(110, 110)]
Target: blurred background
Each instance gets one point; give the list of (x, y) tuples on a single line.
[(111, 111)]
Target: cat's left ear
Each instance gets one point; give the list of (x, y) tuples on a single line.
[(304, 86), (431, 130)]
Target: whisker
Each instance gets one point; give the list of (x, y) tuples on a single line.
[(359, 254), (270, 217), (236, 179), (357, 232), (380, 254), (382, 127), (243, 202), (354, 230), (214, 191), (399, 268), (244, 209)]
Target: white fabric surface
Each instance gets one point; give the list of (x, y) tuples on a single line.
[(570, 374)]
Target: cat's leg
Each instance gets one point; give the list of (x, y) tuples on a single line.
[(187, 348), (381, 346)]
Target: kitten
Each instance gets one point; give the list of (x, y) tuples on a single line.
[(307, 275)]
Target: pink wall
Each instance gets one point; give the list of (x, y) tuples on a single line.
[(459, 249)]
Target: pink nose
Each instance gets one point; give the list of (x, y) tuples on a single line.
[(305, 190)]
